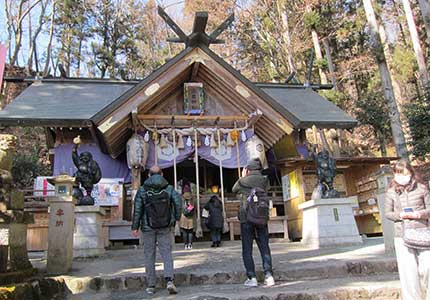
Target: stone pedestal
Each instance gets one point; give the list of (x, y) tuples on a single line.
[(60, 234), (88, 237), (329, 223), (387, 225)]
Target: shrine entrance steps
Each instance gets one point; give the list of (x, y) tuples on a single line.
[(355, 272)]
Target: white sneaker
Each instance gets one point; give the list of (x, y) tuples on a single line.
[(150, 290), (269, 281), (251, 282), (190, 246), (171, 288)]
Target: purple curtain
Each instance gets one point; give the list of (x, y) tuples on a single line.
[(165, 156), (229, 154), (111, 168)]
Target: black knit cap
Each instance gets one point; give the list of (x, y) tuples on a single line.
[(254, 164)]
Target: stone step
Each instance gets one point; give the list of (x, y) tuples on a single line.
[(306, 271), (378, 287)]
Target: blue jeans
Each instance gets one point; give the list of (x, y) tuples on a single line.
[(216, 235), (260, 233)]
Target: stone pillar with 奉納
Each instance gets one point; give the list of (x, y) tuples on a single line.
[(61, 226), (384, 180), (329, 223)]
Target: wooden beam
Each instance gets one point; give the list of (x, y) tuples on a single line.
[(223, 26), (192, 118), (134, 120), (229, 80), (99, 140), (194, 71), (200, 22), (172, 24)]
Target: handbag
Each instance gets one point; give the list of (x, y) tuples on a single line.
[(416, 238)]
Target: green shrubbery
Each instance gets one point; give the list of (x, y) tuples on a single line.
[(418, 114)]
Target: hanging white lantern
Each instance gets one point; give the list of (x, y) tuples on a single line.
[(137, 151), (207, 140), (189, 142), (243, 136), (255, 149), (146, 136)]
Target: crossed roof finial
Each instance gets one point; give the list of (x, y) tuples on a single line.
[(198, 36)]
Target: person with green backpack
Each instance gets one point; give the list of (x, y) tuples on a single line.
[(157, 207)]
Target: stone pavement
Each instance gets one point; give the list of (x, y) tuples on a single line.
[(122, 271), (380, 287)]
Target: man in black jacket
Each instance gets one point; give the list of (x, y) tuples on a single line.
[(252, 178), (157, 206)]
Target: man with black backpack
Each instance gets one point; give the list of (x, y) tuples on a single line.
[(253, 217), (157, 206)]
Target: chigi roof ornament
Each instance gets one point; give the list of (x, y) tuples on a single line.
[(198, 36)]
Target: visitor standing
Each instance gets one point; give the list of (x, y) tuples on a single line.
[(215, 220), (157, 206), (253, 216), (187, 221), (407, 204)]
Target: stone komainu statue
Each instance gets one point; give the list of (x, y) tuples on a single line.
[(326, 172), (87, 175)]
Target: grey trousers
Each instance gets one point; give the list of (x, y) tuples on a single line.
[(162, 238)]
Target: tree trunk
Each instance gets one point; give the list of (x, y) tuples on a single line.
[(424, 76), (327, 50), (30, 44), (51, 35), (78, 65), (318, 55), (33, 44), (382, 142), (396, 126), (425, 12), (19, 31), (286, 37)]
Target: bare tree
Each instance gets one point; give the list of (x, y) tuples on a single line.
[(33, 37), (396, 125), (51, 35), (15, 23), (330, 63), (424, 76), (425, 12), (282, 11)]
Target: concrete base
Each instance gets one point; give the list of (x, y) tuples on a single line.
[(329, 223), (88, 237)]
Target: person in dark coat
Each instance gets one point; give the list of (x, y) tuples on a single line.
[(215, 221), (253, 178)]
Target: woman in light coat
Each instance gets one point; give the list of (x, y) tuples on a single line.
[(407, 203)]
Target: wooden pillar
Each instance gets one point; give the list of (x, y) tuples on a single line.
[(205, 175), (135, 184)]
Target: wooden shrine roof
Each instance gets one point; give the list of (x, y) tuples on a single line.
[(61, 102), (309, 107), (107, 105)]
